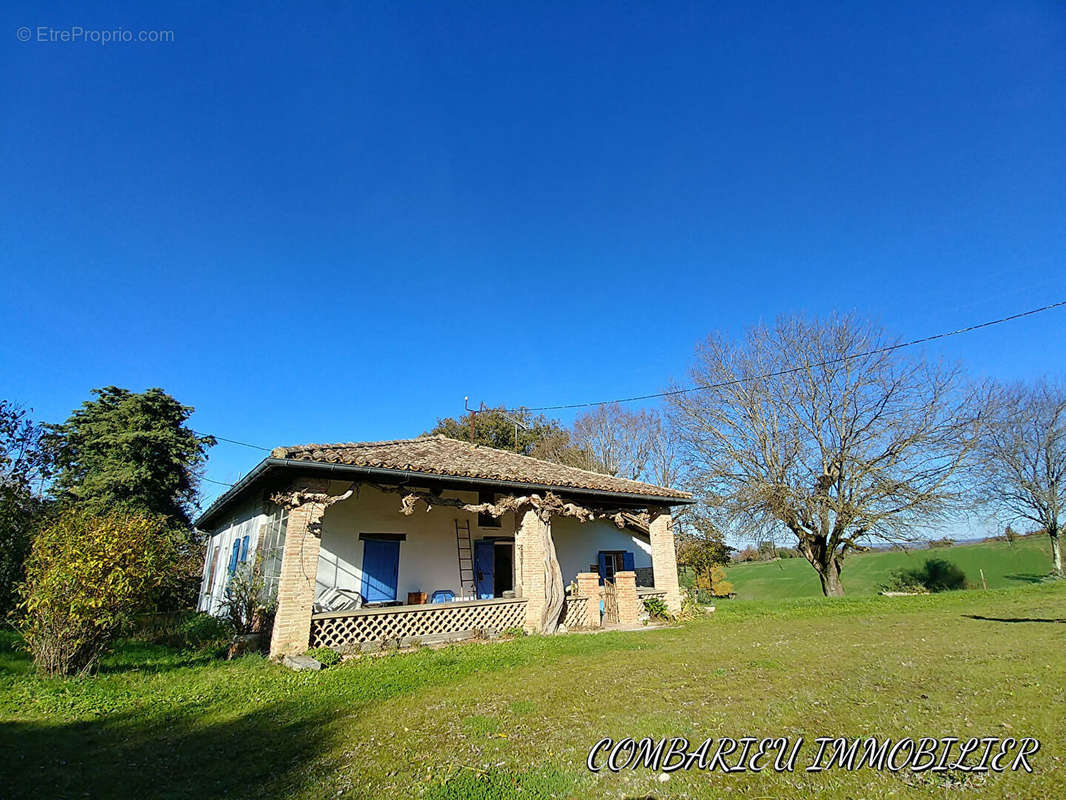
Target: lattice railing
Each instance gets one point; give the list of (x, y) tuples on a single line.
[(577, 609), (345, 629), (644, 594)]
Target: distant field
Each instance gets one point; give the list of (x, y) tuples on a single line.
[(1027, 561)]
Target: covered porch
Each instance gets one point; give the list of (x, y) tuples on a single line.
[(369, 565)]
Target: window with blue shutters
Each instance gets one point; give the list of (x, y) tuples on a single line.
[(244, 550), (234, 555), (612, 561)]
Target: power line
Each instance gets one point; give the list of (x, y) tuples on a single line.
[(233, 441), (673, 392), (790, 370), (220, 483)]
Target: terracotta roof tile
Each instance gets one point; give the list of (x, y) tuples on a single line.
[(439, 455)]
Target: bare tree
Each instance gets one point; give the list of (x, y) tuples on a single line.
[(820, 428), (1023, 457), (617, 441)]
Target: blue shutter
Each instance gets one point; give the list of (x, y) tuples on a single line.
[(244, 549), (602, 558), (234, 555), (627, 561)]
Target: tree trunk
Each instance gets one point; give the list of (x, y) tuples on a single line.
[(554, 593), (830, 577), (1056, 553)]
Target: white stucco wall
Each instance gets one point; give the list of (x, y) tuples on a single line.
[(578, 543), (245, 520)]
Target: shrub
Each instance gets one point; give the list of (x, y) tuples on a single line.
[(720, 587), (656, 608), (935, 575), (326, 656), (86, 578), (947, 541), (246, 606)]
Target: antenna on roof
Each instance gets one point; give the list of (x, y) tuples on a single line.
[(517, 424), (473, 411)]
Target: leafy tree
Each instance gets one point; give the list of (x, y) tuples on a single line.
[(702, 555), (21, 461), (86, 577), (536, 436), (128, 451), (825, 429)]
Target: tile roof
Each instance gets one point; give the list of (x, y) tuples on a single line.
[(439, 455)]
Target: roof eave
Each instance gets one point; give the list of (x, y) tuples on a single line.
[(404, 476)]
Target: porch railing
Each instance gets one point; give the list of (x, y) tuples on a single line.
[(348, 629), (577, 611)]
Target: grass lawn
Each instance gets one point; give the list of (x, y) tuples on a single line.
[(517, 718), (1027, 561)]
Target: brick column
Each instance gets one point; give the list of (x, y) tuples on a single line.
[(296, 586), (588, 585), (629, 605), (530, 537), (664, 558)]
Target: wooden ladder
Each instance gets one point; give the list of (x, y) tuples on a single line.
[(465, 546)]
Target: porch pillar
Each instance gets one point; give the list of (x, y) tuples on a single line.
[(588, 585), (296, 584), (629, 604), (531, 537), (542, 582), (664, 558)]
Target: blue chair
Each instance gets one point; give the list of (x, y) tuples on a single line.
[(442, 596)]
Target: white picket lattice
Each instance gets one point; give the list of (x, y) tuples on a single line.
[(577, 613), (345, 629)]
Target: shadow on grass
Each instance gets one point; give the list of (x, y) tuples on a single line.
[(1016, 619), (252, 755), (1026, 577)]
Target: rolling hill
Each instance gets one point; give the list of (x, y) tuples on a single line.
[(1028, 560)]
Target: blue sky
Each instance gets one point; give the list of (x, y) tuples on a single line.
[(332, 225)]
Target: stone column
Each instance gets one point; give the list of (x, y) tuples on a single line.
[(629, 605), (296, 585), (664, 558), (588, 585), (529, 541)]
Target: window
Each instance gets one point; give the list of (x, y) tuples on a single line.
[(487, 520), (273, 545), (612, 562)]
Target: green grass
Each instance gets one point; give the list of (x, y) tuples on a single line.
[(1027, 561), (516, 719)]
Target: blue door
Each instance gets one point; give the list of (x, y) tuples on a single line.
[(484, 567), (381, 566)]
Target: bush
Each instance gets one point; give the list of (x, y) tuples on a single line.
[(656, 608), (326, 656), (246, 606), (86, 578), (935, 575), (947, 541)]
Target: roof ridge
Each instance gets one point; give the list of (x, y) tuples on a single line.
[(553, 463), (337, 445)]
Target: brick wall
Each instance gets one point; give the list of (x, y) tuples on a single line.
[(664, 558), (299, 569), (629, 605)]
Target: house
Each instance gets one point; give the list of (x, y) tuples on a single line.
[(414, 539)]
